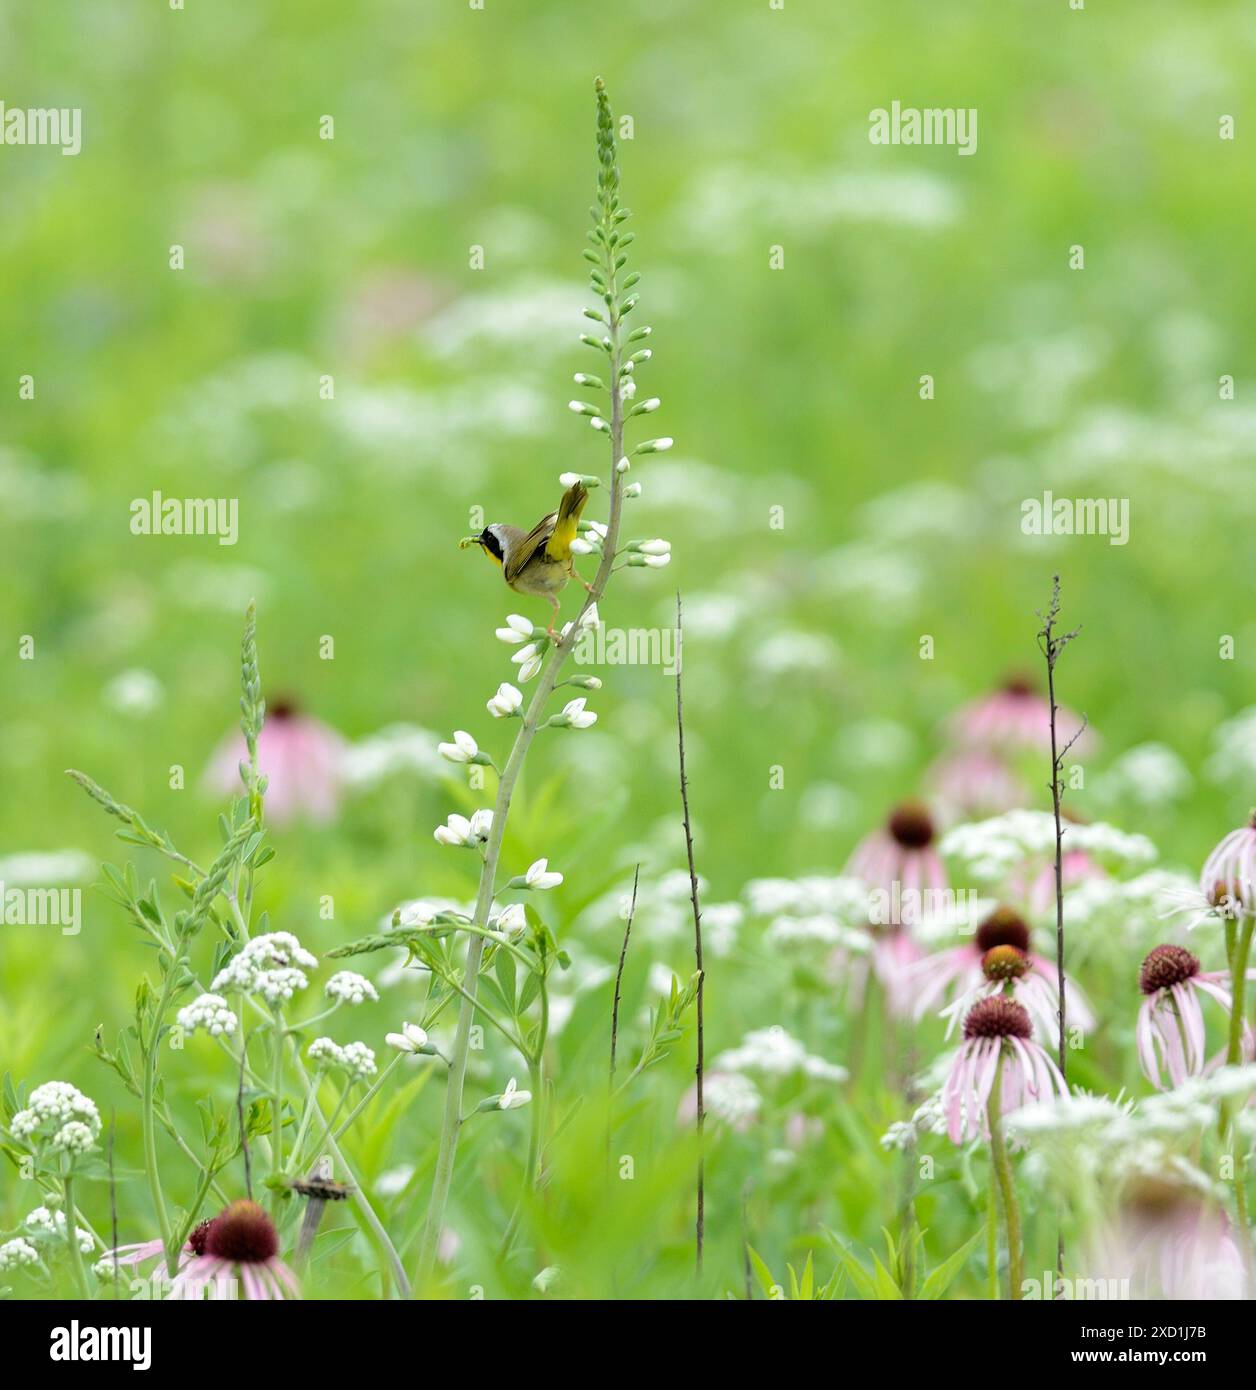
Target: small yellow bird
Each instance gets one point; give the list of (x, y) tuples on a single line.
[(538, 561)]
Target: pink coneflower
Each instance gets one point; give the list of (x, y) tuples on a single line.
[(299, 756), (961, 970), (1169, 1242), (1015, 718), (997, 1033), (901, 853), (241, 1241), (973, 784), (1228, 879), (155, 1250), (894, 954), (1171, 1021)]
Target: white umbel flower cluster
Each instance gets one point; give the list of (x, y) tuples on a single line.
[(774, 1052), (268, 966), (61, 1113), (359, 1060), (45, 1222), (351, 987), (74, 1138), (356, 1057), (16, 1253), (208, 1011), (999, 849)]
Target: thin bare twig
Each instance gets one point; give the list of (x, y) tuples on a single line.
[(699, 1069), (1051, 644), (619, 973)]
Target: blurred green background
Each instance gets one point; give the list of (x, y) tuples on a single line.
[(793, 388)]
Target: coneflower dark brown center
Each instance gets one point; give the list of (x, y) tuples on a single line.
[(911, 825), (997, 1017), (243, 1234), (1003, 927), (1019, 686), (1004, 963), (1166, 966)]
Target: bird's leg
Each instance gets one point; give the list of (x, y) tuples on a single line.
[(553, 636), (576, 575)]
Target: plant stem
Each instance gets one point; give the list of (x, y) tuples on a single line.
[(992, 1241), (699, 1067), (361, 1201), (146, 1116), (1234, 1055), (276, 1103), (71, 1236), (619, 980), (1003, 1172), (451, 1123)]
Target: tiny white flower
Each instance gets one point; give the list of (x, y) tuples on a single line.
[(323, 1052), (655, 547), (540, 877), (633, 490), (507, 702), (456, 831), (656, 562), (512, 1097), (581, 547), (646, 407), (463, 749), (511, 920), (518, 629), (598, 423), (627, 389), (530, 668), (577, 716), (481, 825), (208, 1011), (351, 987), (412, 1038), (526, 654)]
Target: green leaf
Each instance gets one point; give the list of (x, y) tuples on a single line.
[(859, 1276), (763, 1274), (941, 1278)]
